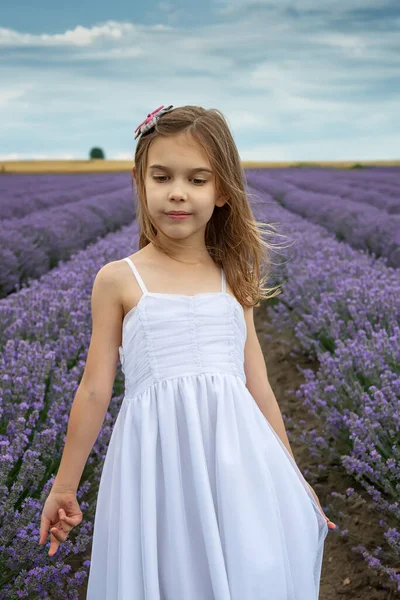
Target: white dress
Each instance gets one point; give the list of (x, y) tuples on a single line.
[(199, 499)]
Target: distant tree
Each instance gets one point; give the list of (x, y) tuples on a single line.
[(96, 153), (357, 166)]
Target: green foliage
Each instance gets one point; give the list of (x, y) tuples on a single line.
[(357, 166), (97, 153)]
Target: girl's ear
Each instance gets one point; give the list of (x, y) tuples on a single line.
[(221, 201), (134, 173)]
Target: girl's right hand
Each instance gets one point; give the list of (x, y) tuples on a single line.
[(61, 512)]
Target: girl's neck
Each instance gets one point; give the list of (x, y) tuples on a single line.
[(199, 258)]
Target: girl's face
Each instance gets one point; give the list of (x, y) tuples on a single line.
[(177, 185)]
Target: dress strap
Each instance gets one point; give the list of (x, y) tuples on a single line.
[(223, 281), (136, 274)]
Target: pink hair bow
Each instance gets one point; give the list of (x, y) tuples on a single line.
[(151, 119)]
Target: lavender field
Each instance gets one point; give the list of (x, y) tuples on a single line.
[(340, 298), (44, 219), (361, 207)]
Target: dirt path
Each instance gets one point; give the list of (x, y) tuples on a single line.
[(345, 574)]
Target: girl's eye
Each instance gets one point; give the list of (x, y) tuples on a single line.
[(158, 178)]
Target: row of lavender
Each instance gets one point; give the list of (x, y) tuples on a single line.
[(363, 226), (20, 184), (344, 309), (44, 335), (343, 306), (22, 195), (32, 245), (377, 186)]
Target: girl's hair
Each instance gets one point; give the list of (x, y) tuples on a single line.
[(233, 237)]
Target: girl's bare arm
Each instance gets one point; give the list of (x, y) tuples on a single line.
[(95, 389)]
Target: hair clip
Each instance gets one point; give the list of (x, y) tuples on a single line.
[(151, 120)]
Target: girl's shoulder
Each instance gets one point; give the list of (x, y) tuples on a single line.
[(121, 266), (162, 275), (128, 287)]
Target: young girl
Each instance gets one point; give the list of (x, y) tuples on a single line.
[(200, 497)]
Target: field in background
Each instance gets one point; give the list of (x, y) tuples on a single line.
[(333, 344), (99, 165)]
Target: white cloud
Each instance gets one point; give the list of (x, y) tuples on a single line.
[(122, 156), (303, 81), (11, 156), (361, 148), (80, 36), (10, 95)]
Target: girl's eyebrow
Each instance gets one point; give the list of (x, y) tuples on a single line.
[(189, 170)]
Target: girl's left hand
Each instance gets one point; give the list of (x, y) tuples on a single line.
[(61, 513), (331, 525)]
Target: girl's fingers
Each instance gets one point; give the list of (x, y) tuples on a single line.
[(57, 535), (72, 521), (60, 531), (54, 545), (60, 535), (69, 520), (44, 528), (58, 525)]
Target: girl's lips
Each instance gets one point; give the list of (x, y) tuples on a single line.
[(178, 217)]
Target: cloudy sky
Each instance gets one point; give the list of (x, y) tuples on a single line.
[(296, 79)]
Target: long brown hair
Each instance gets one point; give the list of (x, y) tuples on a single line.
[(233, 237)]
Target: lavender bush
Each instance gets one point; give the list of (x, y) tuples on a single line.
[(45, 335), (377, 186), (34, 244), (362, 226), (344, 309), (22, 194)]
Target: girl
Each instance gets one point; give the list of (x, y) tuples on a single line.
[(200, 497)]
